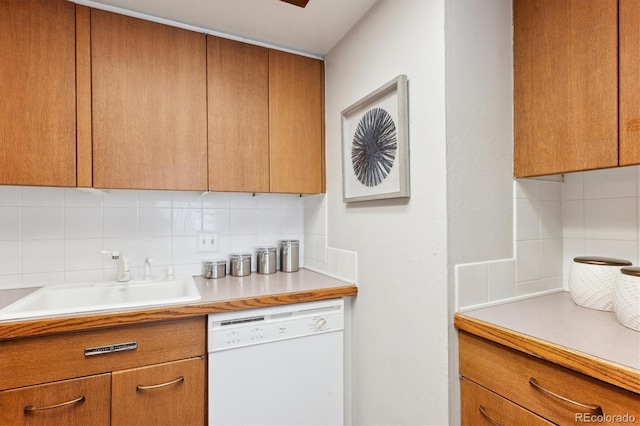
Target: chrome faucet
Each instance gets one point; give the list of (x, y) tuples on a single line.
[(122, 262)]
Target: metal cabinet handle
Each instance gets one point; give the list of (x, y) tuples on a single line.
[(598, 410), (29, 408), (491, 419), (161, 385)]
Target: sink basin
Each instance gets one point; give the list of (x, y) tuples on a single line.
[(102, 295)]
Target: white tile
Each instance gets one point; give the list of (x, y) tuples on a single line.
[(502, 279), (311, 249), (292, 221), (10, 223), (83, 276), (242, 200), (216, 220), (268, 221), (8, 282), (348, 265), (315, 221), (83, 254), (527, 189), (74, 197), (527, 219), (157, 248), (332, 266), (550, 191), (267, 240), (42, 256), (242, 243), (215, 200), (42, 278), (184, 251), (187, 221), (10, 257), (292, 202), (571, 248), (573, 186), (627, 250), (186, 199), (155, 222), (527, 260), (10, 195), (120, 222), (128, 247), (42, 196), (243, 222), (611, 219), (532, 287), (155, 198), (472, 281), (83, 222), (122, 198), (268, 201), (314, 202), (320, 248), (551, 219), (573, 219), (610, 183), (550, 258), (638, 180), (42, 223)]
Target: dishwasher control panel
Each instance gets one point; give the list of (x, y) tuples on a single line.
[(264, 325)]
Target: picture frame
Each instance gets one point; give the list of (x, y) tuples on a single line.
[(375, 145)]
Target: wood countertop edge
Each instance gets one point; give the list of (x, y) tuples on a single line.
[(618, 375), (64, 324)]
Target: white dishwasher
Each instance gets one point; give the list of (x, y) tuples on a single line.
[(281, 365)]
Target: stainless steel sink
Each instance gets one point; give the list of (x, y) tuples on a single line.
[(103, 295)]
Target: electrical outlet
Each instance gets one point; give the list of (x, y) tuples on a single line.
[(208, 242)]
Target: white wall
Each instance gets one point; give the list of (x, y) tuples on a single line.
[(52, 235), (399, 323)]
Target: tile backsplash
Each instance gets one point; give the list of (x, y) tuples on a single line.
[(53, 235), (593, 213)]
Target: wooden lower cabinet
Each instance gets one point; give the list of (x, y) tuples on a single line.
[(165, 394), (555, 393), (84, 401), (480, 407)]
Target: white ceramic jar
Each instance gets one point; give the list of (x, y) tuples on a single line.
[(627, 298), (592, 281)]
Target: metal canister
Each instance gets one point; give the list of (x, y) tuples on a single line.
[(289, 255), (266, 260), (240, 264), (214, 268)]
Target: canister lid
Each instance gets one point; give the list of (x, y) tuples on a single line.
[(290, 242), (634, 271), (235, 256), (215, 262), (266, 249), (603, 261)]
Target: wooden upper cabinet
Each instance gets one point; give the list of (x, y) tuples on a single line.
[(629, 82), (296, 135), (238, 100), (37, 93), (149, 104), (565, 85)]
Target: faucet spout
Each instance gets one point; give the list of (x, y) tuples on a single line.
[(122, 262)]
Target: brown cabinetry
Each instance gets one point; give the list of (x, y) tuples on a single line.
[(158, 379), (557, 394), (37, 93), (149, 104), (296, 131), (629, 82)]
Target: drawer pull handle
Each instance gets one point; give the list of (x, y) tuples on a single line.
[(491, 419), (29, 408), (598, 410), (161, 385)]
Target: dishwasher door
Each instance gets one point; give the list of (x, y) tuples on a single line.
[(277, 367)]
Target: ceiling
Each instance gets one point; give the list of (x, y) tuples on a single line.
[(312, 30)]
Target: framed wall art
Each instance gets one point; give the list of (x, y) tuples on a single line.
[(375, 145)]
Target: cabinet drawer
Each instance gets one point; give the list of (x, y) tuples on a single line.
[(44, 359), (509, 373), (480, 406), (84, 401), (167, 394)]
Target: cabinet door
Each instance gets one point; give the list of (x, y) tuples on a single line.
[(483, 407), (149, 104), (565, 85), (238, 100), (295, 123), (629, 82), (165, 394), (37, 93), (85, 401)]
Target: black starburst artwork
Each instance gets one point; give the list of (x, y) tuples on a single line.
[(374, 147)]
